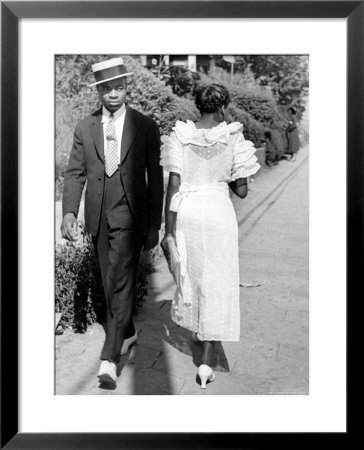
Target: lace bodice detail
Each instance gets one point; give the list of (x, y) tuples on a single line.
[(211, 155)]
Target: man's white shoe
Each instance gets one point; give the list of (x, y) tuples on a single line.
[(107, 372), (127, 343)]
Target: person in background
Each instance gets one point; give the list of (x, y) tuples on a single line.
[(270, 153), (113, 151), (292, 134)]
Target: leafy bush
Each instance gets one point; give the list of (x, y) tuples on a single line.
[(286, 75), (59, 185), (252, 129), (263, 107), (153, 98), (260, 105), (79, 294), (179, 78), (244, 78)]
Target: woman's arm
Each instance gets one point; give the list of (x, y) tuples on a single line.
[(240, 187), (170, 216), (174, 183)]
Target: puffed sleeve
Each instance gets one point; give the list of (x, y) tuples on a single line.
[(171, 153), (244, 160)]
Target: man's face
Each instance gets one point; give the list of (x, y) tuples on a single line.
[(112, 93)]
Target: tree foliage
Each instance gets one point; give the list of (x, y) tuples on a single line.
[(179, 78), (286, 75)]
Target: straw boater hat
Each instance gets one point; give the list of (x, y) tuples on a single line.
[(109, 70)]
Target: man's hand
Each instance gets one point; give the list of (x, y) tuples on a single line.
[(69, 227), (151, 239)]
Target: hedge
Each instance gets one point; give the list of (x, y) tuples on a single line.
[(263, 107), (259, 104), (252, 129), (79, 294)]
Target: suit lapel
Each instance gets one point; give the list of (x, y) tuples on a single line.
[(97, 133), (131, 126)]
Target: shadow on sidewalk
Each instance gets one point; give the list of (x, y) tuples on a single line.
[(181, 339), (152, 367)]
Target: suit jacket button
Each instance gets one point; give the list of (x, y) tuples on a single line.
[(100, 178)]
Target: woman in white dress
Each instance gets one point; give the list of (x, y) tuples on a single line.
[(203, 160)]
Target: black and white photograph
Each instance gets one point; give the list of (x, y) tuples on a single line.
[(182, 224), (182, 211)]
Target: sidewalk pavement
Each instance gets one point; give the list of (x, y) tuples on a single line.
[(272, 355)]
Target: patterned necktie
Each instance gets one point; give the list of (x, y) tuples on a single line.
[(111, 156)]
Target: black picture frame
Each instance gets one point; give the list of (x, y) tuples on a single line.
[(11, 12)]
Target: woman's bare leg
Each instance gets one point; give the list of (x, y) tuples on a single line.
[(207, 351)]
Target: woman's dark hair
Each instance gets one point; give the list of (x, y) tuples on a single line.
[(212, 97)]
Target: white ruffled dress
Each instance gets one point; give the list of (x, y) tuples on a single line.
[(206, 227)]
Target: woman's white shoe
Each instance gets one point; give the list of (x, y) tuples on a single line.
[(206, 374)]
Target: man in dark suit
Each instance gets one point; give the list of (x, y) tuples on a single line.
[(116, 150)]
